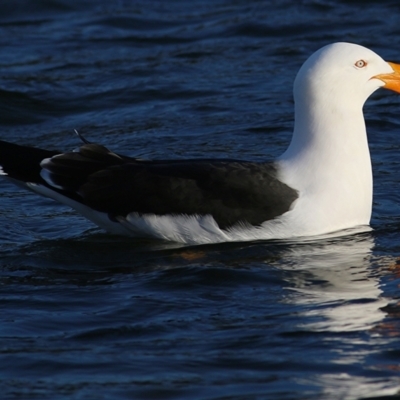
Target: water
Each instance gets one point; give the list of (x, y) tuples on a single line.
[(87, 315)]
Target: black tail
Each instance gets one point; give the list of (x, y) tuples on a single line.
[(23, 162)]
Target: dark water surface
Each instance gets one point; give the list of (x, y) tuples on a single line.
[(87, 315)]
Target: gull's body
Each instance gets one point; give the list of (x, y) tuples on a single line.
[(321, 184)]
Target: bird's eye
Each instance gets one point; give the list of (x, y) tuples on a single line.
[(360, 64)]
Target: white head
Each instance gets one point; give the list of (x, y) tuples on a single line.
[(328, 158), (346, 72)]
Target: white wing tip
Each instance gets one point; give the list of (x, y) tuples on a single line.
[(2, 171)]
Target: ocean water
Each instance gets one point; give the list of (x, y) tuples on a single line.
[(88, 315)]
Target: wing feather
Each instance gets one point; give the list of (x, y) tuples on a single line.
[(231, 191)]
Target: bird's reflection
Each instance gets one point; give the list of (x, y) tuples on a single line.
[(336, 287), (335, 282)]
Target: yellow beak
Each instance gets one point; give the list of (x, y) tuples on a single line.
[(392, 80)]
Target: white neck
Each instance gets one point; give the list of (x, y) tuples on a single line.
[(328, 162)]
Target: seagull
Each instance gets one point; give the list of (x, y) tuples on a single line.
[(321, 184)]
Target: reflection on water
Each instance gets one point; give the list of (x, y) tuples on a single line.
[(317, 312), (336, 275), (338, 290)]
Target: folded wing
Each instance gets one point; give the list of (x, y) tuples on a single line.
[(229, 190)]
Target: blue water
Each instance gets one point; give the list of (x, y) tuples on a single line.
[(88, 315)]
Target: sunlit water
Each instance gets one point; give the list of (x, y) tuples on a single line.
[(87, 315)]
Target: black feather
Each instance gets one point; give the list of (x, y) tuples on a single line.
[(231, 191), (23, 162)]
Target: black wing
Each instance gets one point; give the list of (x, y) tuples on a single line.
[(231, 191), (22, 163)]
